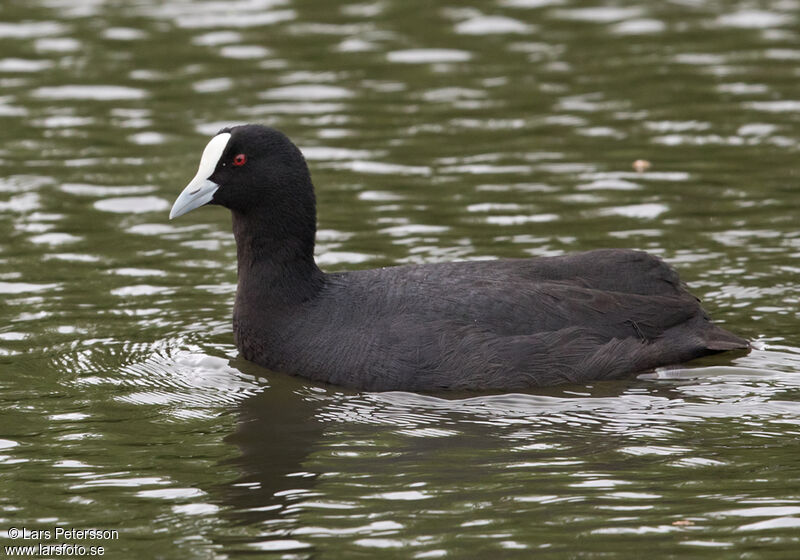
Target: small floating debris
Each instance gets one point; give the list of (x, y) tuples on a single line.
[(641, 165)]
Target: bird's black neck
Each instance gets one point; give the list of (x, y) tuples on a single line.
[(275, 264)]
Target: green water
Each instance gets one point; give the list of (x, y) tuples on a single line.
[(434, 131)]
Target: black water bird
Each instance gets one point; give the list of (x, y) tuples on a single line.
[(487, 325)]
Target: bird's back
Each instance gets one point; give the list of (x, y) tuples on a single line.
[(507, 324)]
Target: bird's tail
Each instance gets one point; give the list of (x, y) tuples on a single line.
[(719, 339)]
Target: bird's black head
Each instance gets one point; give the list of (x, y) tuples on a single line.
[(251, 169)]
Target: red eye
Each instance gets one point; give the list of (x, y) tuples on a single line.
[(239, 160)]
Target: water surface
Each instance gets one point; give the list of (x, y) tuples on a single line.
[(434, 132)]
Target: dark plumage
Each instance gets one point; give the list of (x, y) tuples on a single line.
[(488, 325)]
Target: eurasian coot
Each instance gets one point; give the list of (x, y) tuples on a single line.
[(488, 325)]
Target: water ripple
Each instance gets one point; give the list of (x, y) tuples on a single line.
[(91, 92)]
